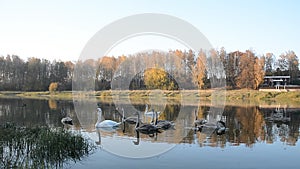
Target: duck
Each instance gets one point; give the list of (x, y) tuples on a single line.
[(105, 123), (66, 120), (163, 124), (23, 105), (129, 120), (199, 122), (219, 127), (146, 128)]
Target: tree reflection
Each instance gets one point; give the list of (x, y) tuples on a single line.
[(282, 122), (40, 147), (249, 125)]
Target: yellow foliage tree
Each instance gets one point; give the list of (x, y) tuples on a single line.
[(259, 72), (155, 78), (199, 70), (53, 87)]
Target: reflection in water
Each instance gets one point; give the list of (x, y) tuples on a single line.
[(36, 112), (52, 104), (40, 147), (137, 142), (245, 126)]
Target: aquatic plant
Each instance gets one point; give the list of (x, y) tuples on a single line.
[(41, 147)]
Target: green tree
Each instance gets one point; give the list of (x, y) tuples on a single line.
[(33, 75), (293, 65), (269, 63)]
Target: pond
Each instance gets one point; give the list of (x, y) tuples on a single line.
[(263, 136)]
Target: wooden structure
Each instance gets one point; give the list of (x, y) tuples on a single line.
[(276, 81)]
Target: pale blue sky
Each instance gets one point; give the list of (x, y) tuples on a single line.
[(59, 29)]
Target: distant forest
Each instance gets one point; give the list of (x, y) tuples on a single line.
[(189, 68)]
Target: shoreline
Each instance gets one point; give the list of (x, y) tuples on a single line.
[(240, 97)]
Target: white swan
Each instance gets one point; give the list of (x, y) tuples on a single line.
[(150, 113), (105, 123)]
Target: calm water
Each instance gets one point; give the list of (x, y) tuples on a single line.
[(256, 137)]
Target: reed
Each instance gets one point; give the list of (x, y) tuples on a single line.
[(41, 147)]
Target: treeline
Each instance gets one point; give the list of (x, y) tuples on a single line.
[(34, 74), (171, 70)]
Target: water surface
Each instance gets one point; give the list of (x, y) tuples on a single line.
[(256, 136)]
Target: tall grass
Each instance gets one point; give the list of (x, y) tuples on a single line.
[(40, 147)]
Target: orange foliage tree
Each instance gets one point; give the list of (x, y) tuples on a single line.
[(53, 87)]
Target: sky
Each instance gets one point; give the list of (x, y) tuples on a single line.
[(59, 29)]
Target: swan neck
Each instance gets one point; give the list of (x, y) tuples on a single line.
[(123, 114), (152, 120), (99, 116), (137, 121), (146, 110), (156, 118), (99, 136)]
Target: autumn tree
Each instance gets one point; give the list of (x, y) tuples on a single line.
[(259, 72), (53, 87), (215, 69), (231, 66), (243, 70), (251, 71), (199, 70), (158, 79), (105, 71), (246, 77), (182, 67)]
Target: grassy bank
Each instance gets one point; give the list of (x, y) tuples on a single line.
[(254, 97)]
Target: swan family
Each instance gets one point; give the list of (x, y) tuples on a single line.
[(139, 126), (156, 126), (146, 128), (219, 127)]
